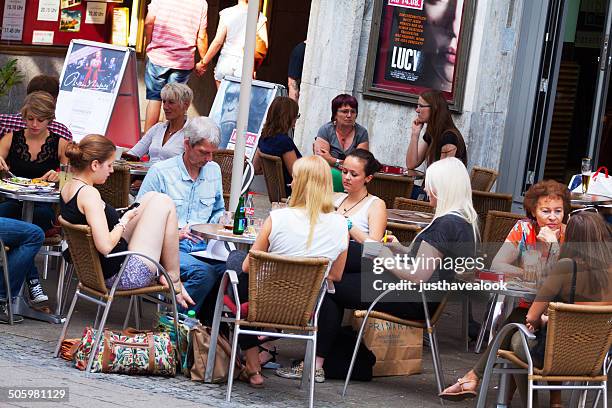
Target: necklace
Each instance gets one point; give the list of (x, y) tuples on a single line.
[(354, 205), (82, 181)]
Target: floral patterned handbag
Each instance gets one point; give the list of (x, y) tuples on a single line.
[(129, 352)]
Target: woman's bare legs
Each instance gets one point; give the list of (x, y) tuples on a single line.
[(154, 232)]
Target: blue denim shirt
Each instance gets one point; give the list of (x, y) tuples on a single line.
[(197, 202)]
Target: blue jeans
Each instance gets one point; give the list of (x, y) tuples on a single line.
[(43, 217), (156, 77), (24, 240), (198, 277)]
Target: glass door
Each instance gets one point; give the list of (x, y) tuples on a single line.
[(600, 139), (545, 97)]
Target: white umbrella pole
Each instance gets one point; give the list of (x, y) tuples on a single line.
[(244, 102)]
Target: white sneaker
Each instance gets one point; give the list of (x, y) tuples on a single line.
[(295, 372), (36, 292)]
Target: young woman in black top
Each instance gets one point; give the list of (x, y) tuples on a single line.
[(151, 228), (442, 138)]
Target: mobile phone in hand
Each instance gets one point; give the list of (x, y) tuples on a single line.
[(131, 207)]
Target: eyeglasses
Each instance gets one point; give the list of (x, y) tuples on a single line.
[(347, 111), (423, 106), (578, 210)]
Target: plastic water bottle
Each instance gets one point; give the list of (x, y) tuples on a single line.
[(249, 212), (191, 321)]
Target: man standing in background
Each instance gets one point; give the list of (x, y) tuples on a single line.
[(173, 31), (296, 63)]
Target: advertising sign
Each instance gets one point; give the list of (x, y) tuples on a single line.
[(417, 45)]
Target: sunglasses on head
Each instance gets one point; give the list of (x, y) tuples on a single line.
[(579, 210)]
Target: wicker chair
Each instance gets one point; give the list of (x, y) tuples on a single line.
[(387, 187), (92, 288), (275, 179), (405, 233), (402, 203), (577, 343), (284, 293), (483, 179), (7, 281), (496, 229), (225, 159), (485, 201), (429, 326), (116, 189)]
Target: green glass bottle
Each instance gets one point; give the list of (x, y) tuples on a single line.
[(239, 218), (191, 313)]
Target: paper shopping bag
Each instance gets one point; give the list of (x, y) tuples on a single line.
[(398, 348)]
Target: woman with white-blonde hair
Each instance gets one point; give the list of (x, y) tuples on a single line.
[(308, 227), (165, 139), (451, 235)]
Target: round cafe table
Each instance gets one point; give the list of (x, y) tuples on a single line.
[(590, 199), (20, 305), (216, 231)]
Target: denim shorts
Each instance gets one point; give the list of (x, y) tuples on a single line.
[(157, 76)]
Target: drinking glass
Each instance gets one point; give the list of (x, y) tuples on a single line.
[(227, 220), (531, 260), (64, 175), (586, 173)]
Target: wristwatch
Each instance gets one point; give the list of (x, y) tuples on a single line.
[(337, 164)]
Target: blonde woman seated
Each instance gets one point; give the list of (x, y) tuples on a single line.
[(151, 228), (452, 234), (308, 227), (165, 139)]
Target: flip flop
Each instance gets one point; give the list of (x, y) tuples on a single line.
[(461, 395)]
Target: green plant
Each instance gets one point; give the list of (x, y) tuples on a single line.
[(9, 76)]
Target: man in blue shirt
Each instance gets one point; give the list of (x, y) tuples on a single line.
[(193, 181)]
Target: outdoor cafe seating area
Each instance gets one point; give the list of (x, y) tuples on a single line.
[(294, 314)]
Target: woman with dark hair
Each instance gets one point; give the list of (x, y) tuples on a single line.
[(275, 140), (366, 214), (583, 275), (340, 136), (151, 229), (442, 138)]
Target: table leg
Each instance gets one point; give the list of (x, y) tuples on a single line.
[(22, 308), (498, 312), (27, 211), (485, 324)]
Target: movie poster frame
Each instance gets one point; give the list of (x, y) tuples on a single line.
[(455, 101)]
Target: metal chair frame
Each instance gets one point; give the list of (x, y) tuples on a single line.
[(431, 333), (507, 367), (7, 283), (310, 336)]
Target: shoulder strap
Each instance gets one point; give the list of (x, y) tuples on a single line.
[(573, 288)]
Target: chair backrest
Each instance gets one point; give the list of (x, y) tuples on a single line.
[(225, 159), (484, 201), (284, 290), (116, 190), (275, 179), (498, 225), (402, 203), (85, 256), (387, 187), (405, 233), (577, 340), (483, 179)]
